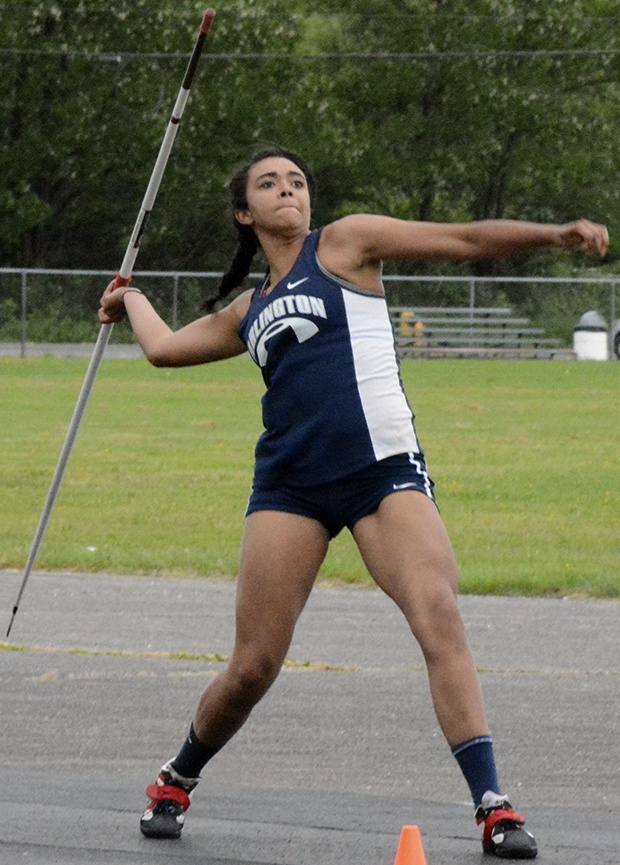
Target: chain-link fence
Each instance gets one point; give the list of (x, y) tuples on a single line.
[(60, 306)]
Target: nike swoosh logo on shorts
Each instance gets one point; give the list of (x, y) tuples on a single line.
[(299, 282), (404, 486)]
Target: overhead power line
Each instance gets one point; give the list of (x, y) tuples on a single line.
[(123, 56)]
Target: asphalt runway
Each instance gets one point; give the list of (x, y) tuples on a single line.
[(342, 753)]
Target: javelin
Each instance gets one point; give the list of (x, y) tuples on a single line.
[(123, 278)]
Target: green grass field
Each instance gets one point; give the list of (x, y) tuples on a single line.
[(525, 456)]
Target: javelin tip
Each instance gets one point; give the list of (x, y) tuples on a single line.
[(207, 21)]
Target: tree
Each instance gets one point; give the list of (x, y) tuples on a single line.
[(469, 117)]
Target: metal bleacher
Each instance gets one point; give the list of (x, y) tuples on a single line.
[(435, 331)]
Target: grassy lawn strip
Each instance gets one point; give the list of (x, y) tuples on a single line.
[(289, 663), (524, 454)]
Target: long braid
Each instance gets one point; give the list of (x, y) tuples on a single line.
[(248, 244), (240, 266)]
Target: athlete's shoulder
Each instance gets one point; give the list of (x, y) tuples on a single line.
[(344, 250), (349, 227), (238, 308), (354, 235)]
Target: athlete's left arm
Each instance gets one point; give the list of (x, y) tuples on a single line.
[(370, 238)]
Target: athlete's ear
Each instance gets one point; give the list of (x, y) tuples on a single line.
[(244, 217)]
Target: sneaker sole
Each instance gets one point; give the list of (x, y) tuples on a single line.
[(523, 853), (159, 832)]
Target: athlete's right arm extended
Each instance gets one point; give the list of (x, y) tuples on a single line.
[(210, 338)]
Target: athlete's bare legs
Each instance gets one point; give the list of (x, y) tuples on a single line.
[(407, 550), (280, 558)]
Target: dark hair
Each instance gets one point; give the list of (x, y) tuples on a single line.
[(248, 244)]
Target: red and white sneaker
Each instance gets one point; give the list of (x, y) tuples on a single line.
[(170, 799), (503, 833)]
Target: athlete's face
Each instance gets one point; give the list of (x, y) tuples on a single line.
[(277, 196)]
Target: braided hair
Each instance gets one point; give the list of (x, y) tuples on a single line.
[(247, 244)]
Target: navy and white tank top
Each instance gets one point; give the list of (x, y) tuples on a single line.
[(334, 402)]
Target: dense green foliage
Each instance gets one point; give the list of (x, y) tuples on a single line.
[(524, 455), (466, 119)]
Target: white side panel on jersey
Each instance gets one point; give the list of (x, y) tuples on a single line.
[(389, 418)]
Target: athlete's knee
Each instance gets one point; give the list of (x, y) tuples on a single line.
[(438, 626), (251, 677)]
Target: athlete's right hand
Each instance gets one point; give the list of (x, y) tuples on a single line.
[(112, 308)]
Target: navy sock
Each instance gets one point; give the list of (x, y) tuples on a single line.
[(477, 762), (193, 756)]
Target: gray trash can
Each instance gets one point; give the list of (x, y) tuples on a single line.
[(590, 337)]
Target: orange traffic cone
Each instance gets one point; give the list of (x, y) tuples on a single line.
[(410, 850)]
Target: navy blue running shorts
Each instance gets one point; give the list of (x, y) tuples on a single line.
[(345, 501)]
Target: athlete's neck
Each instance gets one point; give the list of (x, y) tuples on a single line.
[(281, 253)]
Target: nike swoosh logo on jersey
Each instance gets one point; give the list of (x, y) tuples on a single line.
[(291, 285), (403, 486)]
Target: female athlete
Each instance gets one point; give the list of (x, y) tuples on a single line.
[(339, 450)]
